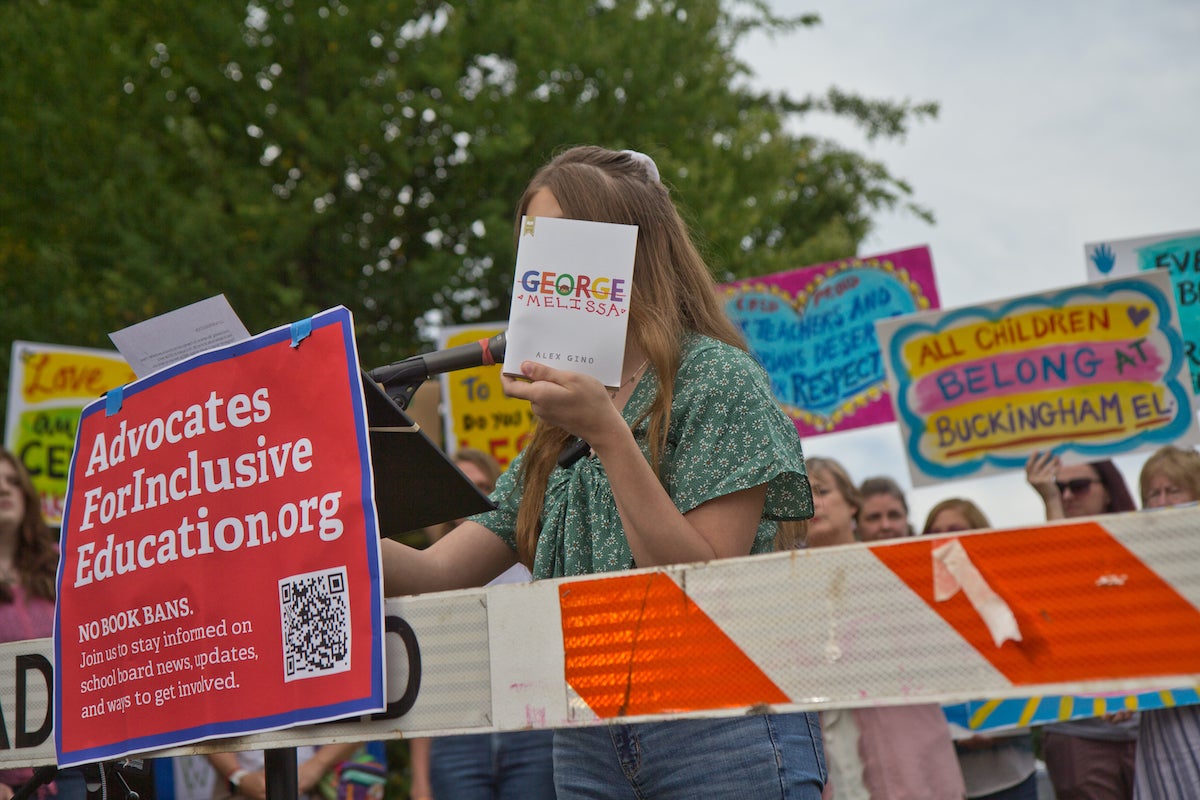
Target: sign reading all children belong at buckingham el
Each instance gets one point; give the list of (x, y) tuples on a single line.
[(220, 569), (1087, 372)]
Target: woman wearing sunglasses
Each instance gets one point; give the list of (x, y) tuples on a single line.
[(1079, 490), (1088, 758)]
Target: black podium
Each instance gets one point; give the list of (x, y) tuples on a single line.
[(416, 485)]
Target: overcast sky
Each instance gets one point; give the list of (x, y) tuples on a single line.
[(1061, 123)]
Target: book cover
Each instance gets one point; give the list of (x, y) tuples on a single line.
[(570, 300)]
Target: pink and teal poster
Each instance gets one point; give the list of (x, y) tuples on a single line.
[(813, 329)]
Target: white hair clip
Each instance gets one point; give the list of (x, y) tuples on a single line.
[(646, 161)]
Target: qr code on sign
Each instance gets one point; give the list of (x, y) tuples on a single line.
[(315, 610)]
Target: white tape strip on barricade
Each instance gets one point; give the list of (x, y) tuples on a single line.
[(1103, 605)]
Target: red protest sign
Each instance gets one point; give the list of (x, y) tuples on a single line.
[(220, 565)]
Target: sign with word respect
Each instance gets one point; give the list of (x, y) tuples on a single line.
[(1088, 372), (220, 568), (813, 329), (48, 387), (476, 411), (1176, 253)]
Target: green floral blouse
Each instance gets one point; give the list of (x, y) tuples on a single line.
[(727, 433)]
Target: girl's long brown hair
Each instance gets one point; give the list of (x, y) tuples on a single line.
[(672, 294), (36, 555)]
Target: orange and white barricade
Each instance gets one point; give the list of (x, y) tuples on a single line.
[(1103, 606)]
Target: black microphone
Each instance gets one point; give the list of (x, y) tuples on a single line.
[(485, 352), (574, 450)]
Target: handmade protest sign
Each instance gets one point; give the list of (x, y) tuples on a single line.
[(1176, 253), (813, 329), (1005, 713), (220, 565), (48, 386), (476, 411), (1088, 372)]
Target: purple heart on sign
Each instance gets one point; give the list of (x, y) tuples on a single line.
[(1137, 315)]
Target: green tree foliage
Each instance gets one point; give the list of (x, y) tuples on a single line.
[(297, 156)]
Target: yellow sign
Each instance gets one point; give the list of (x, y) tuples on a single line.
[(476, 411), (49, 385)]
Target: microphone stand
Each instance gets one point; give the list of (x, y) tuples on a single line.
[(283, 777), (402, 394), (401, 389)]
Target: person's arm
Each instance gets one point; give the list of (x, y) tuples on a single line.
[(249, 783), (1041, 470), (657, 532), (470, 555), (418, 760), (325, 758)]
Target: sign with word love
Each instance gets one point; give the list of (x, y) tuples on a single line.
[(813, 329), (48, 386), (220, 569), (1176, 253), (1088, 372), (476, 411)]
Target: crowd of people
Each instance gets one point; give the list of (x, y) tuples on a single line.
[(676, 473), (680, 473)]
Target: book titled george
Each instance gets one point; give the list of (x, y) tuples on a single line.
[(570, 300)]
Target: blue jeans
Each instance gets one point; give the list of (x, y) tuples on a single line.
[(493, 766), (1025, 790), (762, 757), (71, 784)]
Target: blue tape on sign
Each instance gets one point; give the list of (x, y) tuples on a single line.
[(113, 399), (300, 331)]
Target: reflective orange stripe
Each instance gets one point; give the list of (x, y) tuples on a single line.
[(1087, 607), (637, 644)]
